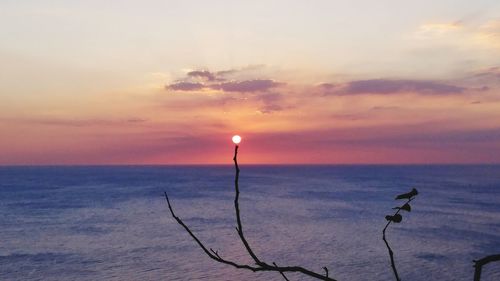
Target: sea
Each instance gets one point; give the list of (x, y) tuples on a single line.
[(113, 223)]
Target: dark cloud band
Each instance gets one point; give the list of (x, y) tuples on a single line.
[(384, 86)]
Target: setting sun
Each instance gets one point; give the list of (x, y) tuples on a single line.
[(236, 139)]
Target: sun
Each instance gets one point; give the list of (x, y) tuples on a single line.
[(236, 139)]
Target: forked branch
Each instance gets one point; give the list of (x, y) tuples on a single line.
[(259, 264)]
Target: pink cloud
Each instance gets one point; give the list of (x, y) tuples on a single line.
[(247, 86), (185, 86), (205, 74), (385, 86)]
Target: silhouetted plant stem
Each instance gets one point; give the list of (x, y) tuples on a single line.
[(259, 265), (239, 228), (478, 265), (212, 254), (391, 253), (281, 272)]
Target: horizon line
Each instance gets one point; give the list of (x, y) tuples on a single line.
[(253, 164)]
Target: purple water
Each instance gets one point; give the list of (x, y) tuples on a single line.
[(112, 223)]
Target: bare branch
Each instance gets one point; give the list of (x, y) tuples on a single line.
[(239, 228), (478, 264), (282, 274), (209, 253), (260, 265)]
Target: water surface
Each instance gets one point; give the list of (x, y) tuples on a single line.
[(112, 223)]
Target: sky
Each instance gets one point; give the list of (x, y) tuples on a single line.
[(317, 82)]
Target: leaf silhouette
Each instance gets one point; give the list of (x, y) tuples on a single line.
[(397, 218), (405, 207), (407, 195)]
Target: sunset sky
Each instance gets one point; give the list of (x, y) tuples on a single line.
[(169, 82)]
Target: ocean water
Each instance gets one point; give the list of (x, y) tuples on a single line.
[(112, 223)]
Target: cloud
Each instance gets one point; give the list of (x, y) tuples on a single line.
[(492, 73), (465, 38), (327, 86), (242, 70), (256, 85), (385, 86), (482, 89), (231, 80), (271, 98), (428, 30), (489, 34), (206, 80), (416, 135), (272, 102), (68, 122), (185, 86), (270, 108), (205, 74), (466, 34), (482, 80)]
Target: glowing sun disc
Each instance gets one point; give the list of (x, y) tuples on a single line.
[(236, 139)]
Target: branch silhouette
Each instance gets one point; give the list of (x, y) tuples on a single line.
[(478, 265), (397, 218), (259, 264)]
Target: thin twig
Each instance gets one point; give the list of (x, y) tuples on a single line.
[(239, 229), (391, 253)]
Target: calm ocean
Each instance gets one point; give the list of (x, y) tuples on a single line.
[(112, 223)]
